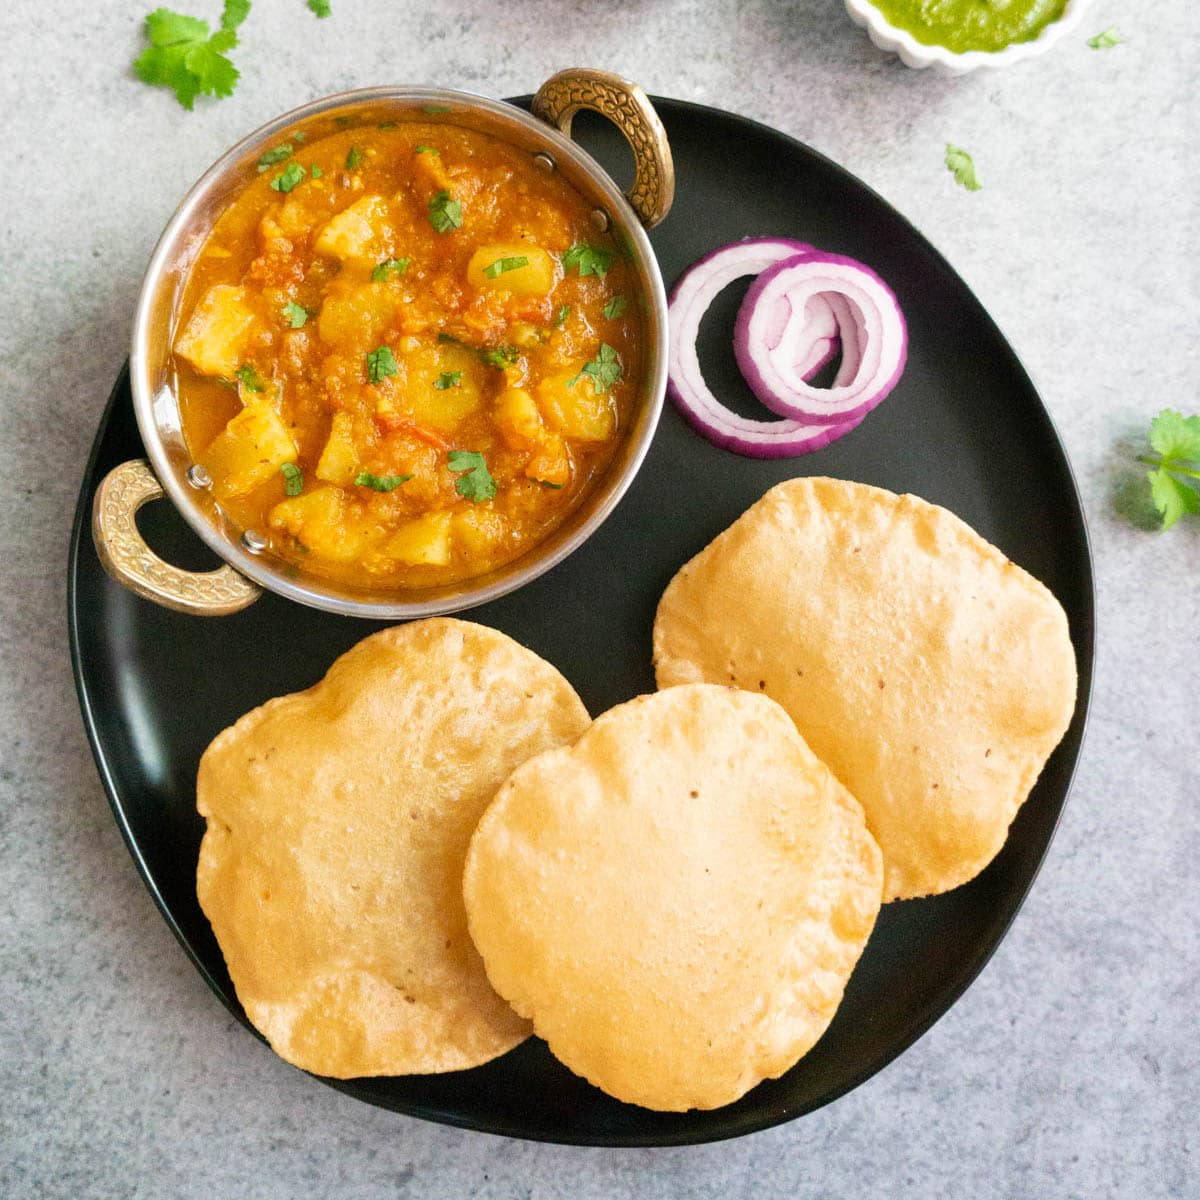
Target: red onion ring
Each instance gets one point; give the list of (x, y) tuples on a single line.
[(690, 300), (874, 337)]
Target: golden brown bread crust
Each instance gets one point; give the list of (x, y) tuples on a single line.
[(677, 900), (338, 820), (934, 676)]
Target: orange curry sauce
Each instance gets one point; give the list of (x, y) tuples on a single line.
[(405, 354)]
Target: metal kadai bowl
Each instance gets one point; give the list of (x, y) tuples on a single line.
[(250, 566)]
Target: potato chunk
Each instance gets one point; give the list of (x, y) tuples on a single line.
[(439, 384), (339, 461), (252, 447), (357, 233), (423, 542), (325, 524), (355, 317), (522, 428), (535, 277), (479, 530), (215, 337), (576, 409)]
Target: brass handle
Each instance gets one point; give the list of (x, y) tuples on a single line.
[(629, 109), (126, 557)]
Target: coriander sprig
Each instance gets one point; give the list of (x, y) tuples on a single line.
[(1176, 461), (185, 57)]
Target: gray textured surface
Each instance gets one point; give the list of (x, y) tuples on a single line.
[(1071, 1068)]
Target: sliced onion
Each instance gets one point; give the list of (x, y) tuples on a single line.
[(690, 300), (871, 325)]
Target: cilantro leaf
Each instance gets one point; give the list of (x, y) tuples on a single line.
[(588, 260), (500, 356), (615, 308), (315, 171), (962, 166), (434, 108), (380, 483), (476, 483), (1105, 40), (381, 364), (1176, 439), (445, 213), (295, 314), (234, 13), (320, 8), (496, 269), (287, 179), (562, 314), (184, 57), (604, 370), (1175, 436), (1172, 497), (277, 155), (293, 479), (167, 28), (448, 379), (389, 268), (354, 158), (427, 150), (250, 379)]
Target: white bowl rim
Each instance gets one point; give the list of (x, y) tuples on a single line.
[(921, 54)]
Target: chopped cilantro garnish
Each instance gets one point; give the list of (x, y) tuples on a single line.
[(389, 125), (476, 482), (445, 213), (426, 150), (320, 8), (1106, 40), (381, 364), (287, 179), (434, 108), (293, 479), (448, 379), (615, 308), (344, 120), (588, 260), (1175, 440), (496, 269), (380, 483), (299, 135), (562, 315), (500, 356), (316, 171), (604, 370), (447, 337), (250, 379), (354, 158), (295, 314), (277, 155), (962, 166), (389, 268), (184, 57)]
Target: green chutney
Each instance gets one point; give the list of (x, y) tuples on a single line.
[(962, 25)]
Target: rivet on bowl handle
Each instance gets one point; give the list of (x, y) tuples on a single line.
[(629, 109), (126, 557)]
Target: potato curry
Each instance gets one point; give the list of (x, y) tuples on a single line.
[(405, 354)]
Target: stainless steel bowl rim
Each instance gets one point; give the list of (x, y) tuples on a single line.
[(182, 495)]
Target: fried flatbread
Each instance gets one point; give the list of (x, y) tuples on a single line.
[(934, 676), (677, 900), (338, 822)]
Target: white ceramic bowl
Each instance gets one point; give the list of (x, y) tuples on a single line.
[(946, 62)]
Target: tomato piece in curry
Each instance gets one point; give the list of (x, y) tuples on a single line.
[(406, 354)]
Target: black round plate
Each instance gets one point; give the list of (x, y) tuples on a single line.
[(964, 428)]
